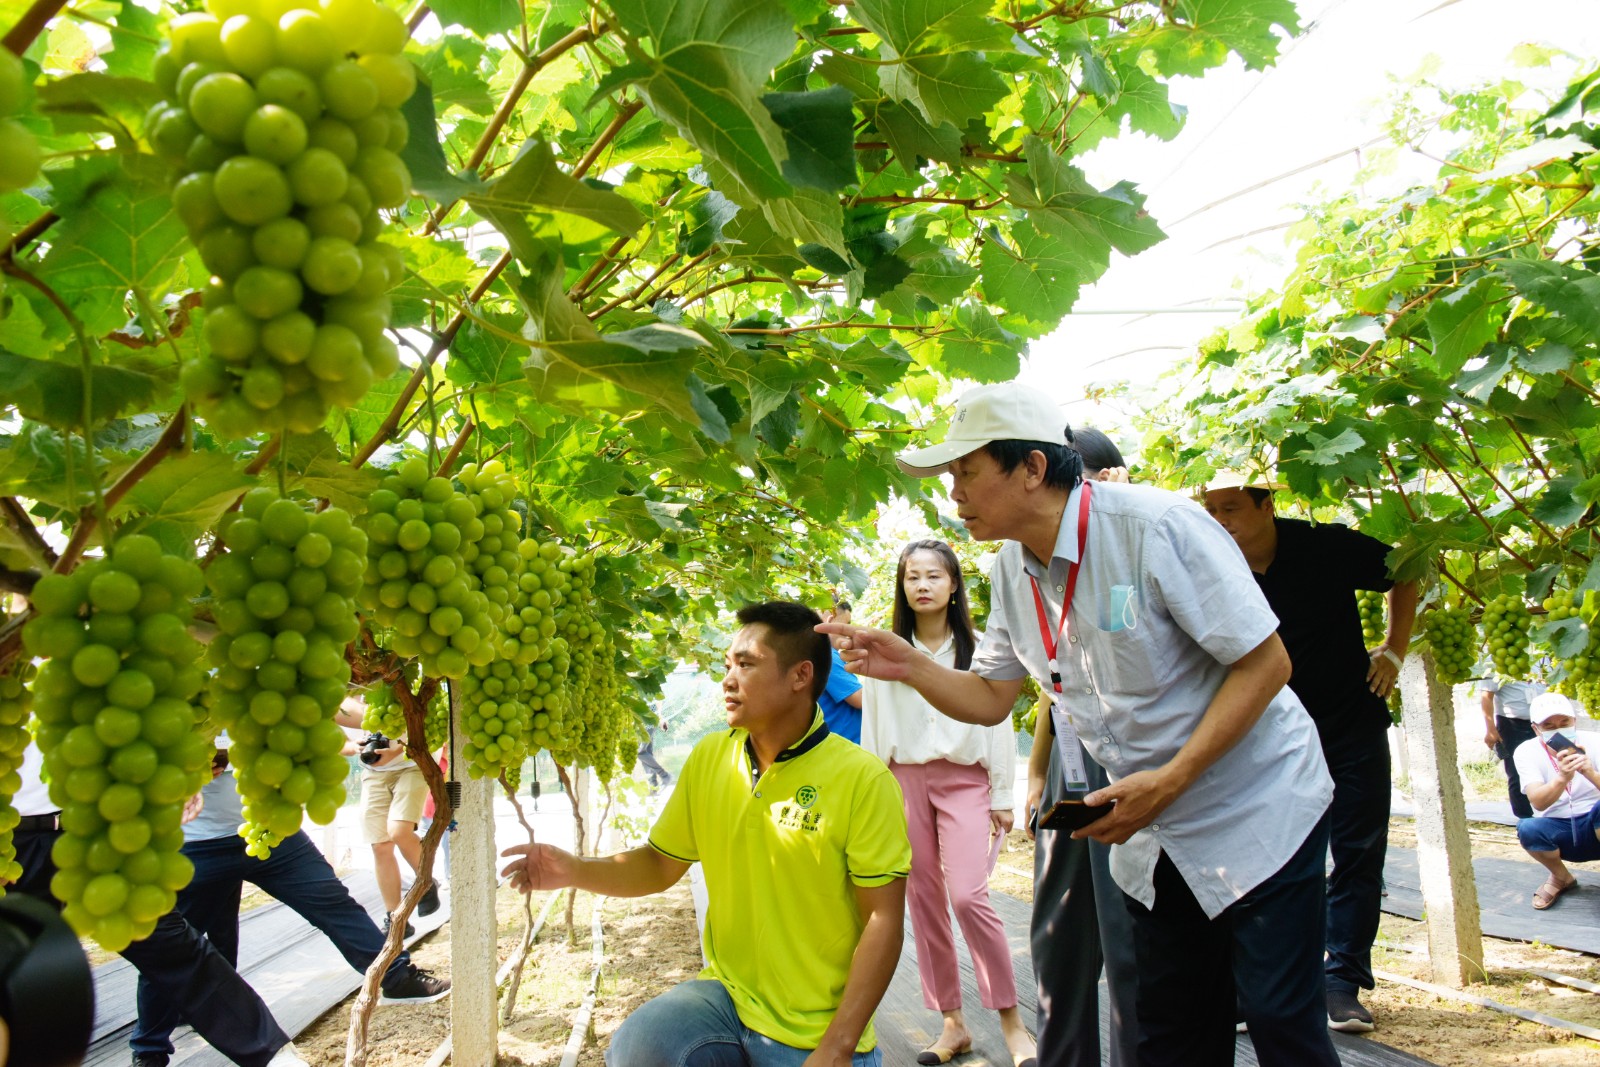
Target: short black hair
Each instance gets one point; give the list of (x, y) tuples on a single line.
[(1099, 452), (1258, 495), (1063, 466), (792, 634)]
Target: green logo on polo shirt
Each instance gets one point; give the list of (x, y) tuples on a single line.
[(805, 796)]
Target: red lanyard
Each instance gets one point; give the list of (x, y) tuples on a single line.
[(1051, 639), (1552, 758)]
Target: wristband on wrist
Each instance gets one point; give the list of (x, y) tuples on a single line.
[(1388, 653)]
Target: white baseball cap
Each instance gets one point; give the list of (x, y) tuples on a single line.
[(1241, 479), (1548, 706), (1009, 411)]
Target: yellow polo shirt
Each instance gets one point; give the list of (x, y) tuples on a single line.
[(780, 855)]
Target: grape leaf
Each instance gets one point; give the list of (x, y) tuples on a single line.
[(52, 393), (192, 490), (709, 62), (123, 236), (1203, 32), (318, 471), (819, 130), (482, 17), (937, 47), (534, 181), (1462, 322)]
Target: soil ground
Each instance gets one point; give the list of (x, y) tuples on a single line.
[(652, 944)]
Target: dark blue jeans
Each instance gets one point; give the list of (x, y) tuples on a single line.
[(1358, 837), (1259, 957), (296, 874), (184, 966)]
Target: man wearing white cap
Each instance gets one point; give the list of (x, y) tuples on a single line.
[(1139, 613), (1309, 574), (1558, 774)]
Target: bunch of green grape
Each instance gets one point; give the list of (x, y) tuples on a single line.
[(1454, 640), (542, 589), (419, 585), (16, 705), (550, 697), (385, 716), (116, 723), (282, 120), (1506, 622), (496, 717), (1371, 605), (1580, 672), (283, 598), (19, 152)]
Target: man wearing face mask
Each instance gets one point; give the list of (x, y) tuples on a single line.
[(1558, 775)]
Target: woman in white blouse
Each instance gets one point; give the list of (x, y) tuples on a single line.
[(956, 780)]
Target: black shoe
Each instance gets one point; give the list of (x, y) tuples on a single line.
[(388, 922), (415, 986), (149, 1059), (1346, 1014), (430, 901)]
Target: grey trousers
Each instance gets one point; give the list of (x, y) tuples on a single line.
[(1072, 939)]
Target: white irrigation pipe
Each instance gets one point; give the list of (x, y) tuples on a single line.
[(1592, 1033), (442, 1054), (1564, 979), (585, 1016)]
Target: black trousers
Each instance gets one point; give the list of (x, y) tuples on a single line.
[(1358, 838), (219, 1004), (1080, 925), (1512, 733), (1261, 956)]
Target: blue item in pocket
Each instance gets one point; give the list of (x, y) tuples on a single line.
[(1122, 613)]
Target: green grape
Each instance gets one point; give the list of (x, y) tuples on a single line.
[(1371, 604), (19, 152), (1453, 638), (281, 196), (1506, 624), (16, 705), (119, 731), (283, 595), (418, 585)]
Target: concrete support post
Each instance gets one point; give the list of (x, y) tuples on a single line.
[(1444, 852), (473, 1020)]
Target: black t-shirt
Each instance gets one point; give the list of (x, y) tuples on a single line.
[(1311, 586)]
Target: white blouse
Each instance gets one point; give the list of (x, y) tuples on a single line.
[(897, 724)]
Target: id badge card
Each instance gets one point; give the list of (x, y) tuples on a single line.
[(1069, 750)]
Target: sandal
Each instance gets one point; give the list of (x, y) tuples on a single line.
[(1546, 894), (936, 1054)]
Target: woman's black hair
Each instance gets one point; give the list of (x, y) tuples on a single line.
[(1099, 452), (957, 613)]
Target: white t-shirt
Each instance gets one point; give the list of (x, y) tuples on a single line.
[(1536, 766)]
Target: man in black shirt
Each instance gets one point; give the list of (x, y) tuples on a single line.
[(1310, 574)]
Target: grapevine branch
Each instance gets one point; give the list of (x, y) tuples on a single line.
[(18, 517), (29, 234), (1472, 505), (31, 24), (88, 519), (415, 707), (1466, 436), (444, 340), (447, 464)]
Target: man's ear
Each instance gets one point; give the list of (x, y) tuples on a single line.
[(801, 675), (1035, 467)]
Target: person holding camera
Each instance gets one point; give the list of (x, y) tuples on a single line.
[(1506, 706), (1558, 775), (393, 794)]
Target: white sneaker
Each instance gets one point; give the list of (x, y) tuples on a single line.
[(288, 1056)]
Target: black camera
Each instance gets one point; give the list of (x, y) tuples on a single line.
[(372, 748), (46, 992)]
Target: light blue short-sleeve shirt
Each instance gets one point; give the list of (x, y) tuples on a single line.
[(1164, 605)]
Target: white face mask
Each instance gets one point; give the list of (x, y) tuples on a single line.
[(1567, 732)]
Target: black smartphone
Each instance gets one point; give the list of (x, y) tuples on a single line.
[(1072, 815), (1560, 743)]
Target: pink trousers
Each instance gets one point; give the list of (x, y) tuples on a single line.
[(947, 816)]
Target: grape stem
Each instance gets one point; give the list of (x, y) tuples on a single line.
[(450, 457), (17, 516)]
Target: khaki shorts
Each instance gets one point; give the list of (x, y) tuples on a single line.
[(391, 796)]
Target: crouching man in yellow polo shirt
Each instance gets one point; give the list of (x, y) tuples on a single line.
[(803, 840)]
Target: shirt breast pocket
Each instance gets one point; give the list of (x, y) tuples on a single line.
[(1118, 646)]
